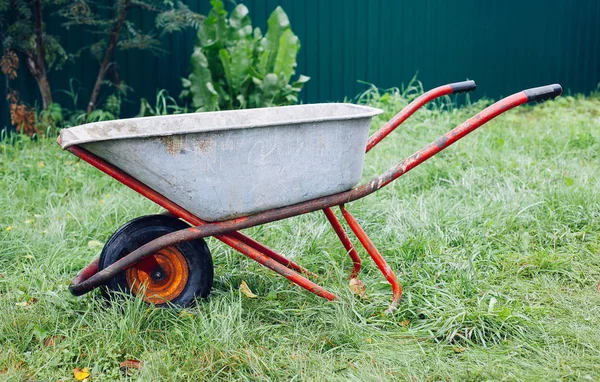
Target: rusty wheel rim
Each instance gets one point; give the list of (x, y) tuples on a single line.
[(159, 278)]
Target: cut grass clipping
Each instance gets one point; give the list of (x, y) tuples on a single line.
[(496, 241)]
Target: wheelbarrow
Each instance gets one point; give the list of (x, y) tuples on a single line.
[(220, 172)]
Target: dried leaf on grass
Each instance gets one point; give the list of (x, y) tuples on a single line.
[(53, 340), (358, 288), (81, 374), (245, 289), (27, 304), (129, 365), (186, 314)]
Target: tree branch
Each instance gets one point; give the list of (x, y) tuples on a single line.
[(40, 59), (114, 38)]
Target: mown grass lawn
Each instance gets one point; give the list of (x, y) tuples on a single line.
[(496, 241)]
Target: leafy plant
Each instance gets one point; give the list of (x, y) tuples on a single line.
[(165, 105), (111, 107), (52, 116), (117, 31), (23, 33), (234, 67)]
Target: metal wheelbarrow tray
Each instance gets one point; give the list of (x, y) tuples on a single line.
[(221, 165), (226, 171)]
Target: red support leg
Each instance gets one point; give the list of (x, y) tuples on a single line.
[(339, 230), (377, 258)]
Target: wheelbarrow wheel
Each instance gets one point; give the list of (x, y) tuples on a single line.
[(175, 275)]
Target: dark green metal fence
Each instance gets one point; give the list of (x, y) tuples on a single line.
[(505, 45)]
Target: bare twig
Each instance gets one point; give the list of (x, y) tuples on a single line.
[(114, 38)]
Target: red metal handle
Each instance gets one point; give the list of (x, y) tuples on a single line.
[(423, 99)]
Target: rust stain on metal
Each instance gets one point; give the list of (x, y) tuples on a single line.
[(173, 144), (204, 144)]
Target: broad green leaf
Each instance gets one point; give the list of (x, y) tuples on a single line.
[(278, 23), (204, 95), (213, 30), (270, 88), (257, 33), (256, 81), (285, 61), (221, 91), (242, 100), (236, 63), (263, 62), (226, 61), (234, 66), (300, 82), (240, 22)]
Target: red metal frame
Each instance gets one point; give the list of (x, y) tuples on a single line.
[(226, 231), (376, 256), (339, 230)]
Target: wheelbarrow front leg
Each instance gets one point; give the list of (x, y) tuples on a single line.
[(339, 230), (87, 272), (377, 258)]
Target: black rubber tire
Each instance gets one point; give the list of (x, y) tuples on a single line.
[(144, 229)]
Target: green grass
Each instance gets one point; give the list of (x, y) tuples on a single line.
[(496, 241)]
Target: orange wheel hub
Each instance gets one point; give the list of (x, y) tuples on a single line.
[(159, 278)]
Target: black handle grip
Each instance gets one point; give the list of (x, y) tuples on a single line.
[(543, 93), (463, 87)]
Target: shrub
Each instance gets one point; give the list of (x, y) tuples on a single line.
[(234, 67)]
